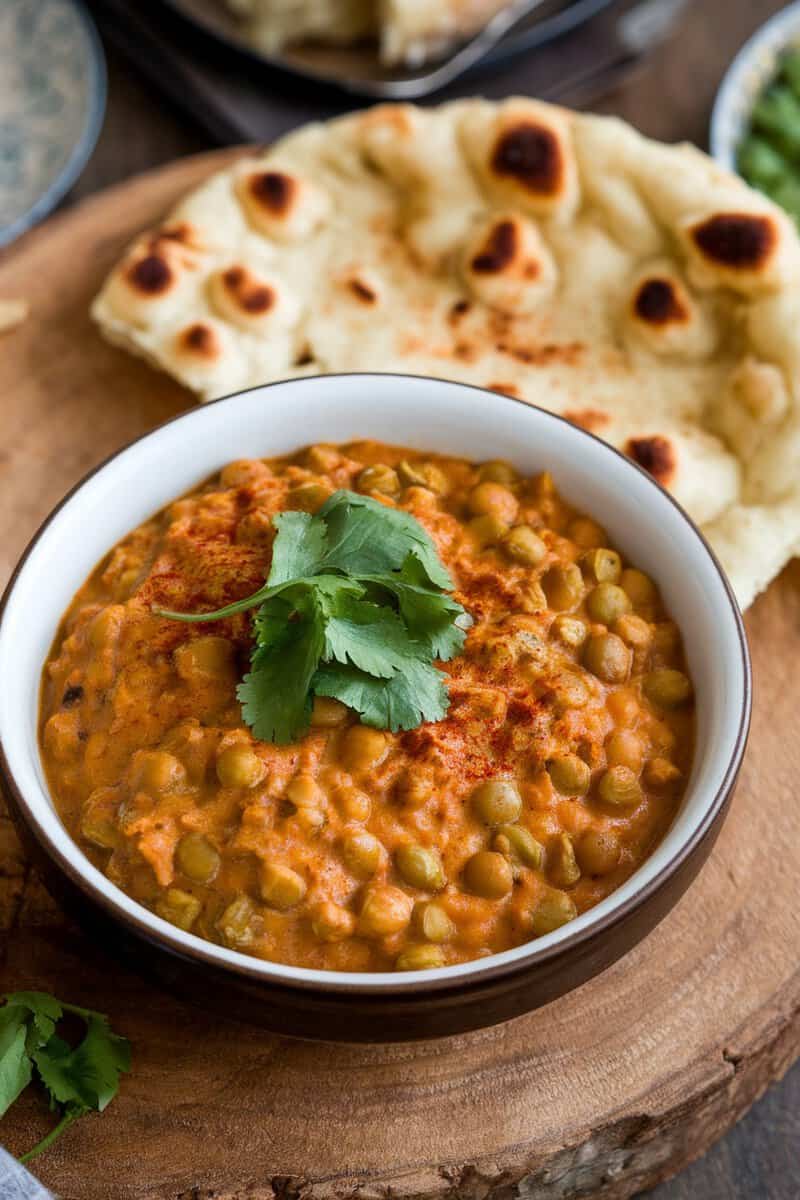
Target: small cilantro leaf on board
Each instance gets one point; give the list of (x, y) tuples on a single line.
[(77, 1079), (356, 599), (403, 702)]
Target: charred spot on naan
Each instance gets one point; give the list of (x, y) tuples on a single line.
[(280, 205), (665, 316), (590, 419), (508, 266), (530, 153), (504, 389), (199, 341), (657, 302), (251, 302), (656, 455), (738, 241), (151, 275), (522, 152)]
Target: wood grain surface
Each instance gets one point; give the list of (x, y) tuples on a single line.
[(603, 1093)]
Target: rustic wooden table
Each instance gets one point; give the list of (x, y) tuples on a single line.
[(670, 99)]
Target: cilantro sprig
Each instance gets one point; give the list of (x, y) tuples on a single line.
[(78, 1079), (357, 607)]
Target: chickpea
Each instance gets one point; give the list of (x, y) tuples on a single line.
[(624, 749), (497, 801), (414, 789), (586, 533), (619, 788), (363, 747), (569, 692), (532, 598), (498, 471), (606, 602), (327, 713), (522, 544), (385, 910), (305, 792), (107, 626), (238, 766), (206, 658), (634, 631), (666, 640), (61, 735), (623, 706), (243, 473), (607, 657), (602, 565), (362, 853), (570, 775), (517, 842), (98, 825), (488, 874), (237, 923), (598, 852), (179, 908), (661, 773), (332, 923), (423, 474), (197, 858), (379, 478), (354, 804), (308, 497), (563, 586), (639, 587), (493, 500), (487, 530), (281, 887), (433, 922), (419, 958), (562, 866), (322, 458), (667, 688), (155, 771), (553, 910), (572, 631), (420, 867)]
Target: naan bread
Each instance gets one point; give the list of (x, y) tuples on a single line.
[(635, 288), (409, 31)]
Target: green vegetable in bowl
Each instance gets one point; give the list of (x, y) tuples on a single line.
[(78, 1079), (769, 155)]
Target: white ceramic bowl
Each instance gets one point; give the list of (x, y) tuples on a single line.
[(427, 414), (752, 69)]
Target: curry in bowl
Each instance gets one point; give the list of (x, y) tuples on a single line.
[(453, 719)]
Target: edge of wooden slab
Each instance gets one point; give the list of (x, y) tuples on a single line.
[(660, 1125)]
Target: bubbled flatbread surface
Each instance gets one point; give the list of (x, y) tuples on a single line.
[(633, 287)]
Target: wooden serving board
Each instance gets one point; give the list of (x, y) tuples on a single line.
[(602, 1093)]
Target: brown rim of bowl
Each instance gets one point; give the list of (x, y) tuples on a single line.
[(405, 984)]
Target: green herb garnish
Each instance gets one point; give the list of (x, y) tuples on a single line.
[(78, 1079), (356, 607)]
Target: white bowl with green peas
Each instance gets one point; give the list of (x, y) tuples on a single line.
[(755, 122)]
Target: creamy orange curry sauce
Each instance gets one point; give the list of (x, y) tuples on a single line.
[(558, 768)]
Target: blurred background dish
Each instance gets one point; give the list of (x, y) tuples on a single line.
[(359, 65), (52, 99)]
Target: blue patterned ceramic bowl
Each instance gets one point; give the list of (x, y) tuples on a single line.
[(754, 67), (52, 99)]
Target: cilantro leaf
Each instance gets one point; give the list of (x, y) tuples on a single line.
[(298, 547), (356, 599), (15, 1065), (372, 638), (77, 1079), (365, 537), (88, 1075), (402, 702), (275, 696)]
